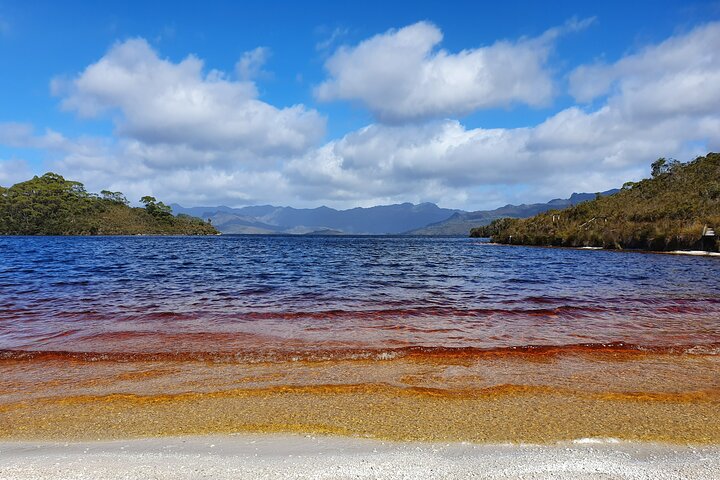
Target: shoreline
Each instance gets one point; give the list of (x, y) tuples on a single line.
[(693, 253), (312, 456)]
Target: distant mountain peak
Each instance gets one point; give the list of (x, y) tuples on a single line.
[(461, 222), (380, 219), (424, 218)]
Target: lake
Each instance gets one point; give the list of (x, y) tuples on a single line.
[(279, 333)]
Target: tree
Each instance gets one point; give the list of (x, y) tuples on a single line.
[(115, 197), (52, 205), (662, 166), (155, 208), (658, 167), (45, 205)]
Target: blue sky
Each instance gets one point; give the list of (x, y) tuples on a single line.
[(320, 111)]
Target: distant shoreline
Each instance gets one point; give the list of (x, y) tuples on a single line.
[(477, 240), (108, 235), (692, 253)]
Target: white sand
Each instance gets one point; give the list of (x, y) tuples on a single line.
[(289, 457), (696, 253)]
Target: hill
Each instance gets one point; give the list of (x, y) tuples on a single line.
[(268, 219), (51, 205), (669, 211), (462, 222)]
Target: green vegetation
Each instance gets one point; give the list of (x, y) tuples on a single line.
[(666, 212), (51, 205)]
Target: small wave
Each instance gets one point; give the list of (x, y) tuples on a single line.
[(70, 283), (525, 280), (359, 354), (383, 388), (423, 311), (704, 350)]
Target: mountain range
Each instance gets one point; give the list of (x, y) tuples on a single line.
[(398, 219), (460, 223)]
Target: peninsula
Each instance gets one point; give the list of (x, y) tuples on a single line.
[(678, 208), (52, 205)]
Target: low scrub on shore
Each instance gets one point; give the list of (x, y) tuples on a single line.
[(52, 205), (669, 211)]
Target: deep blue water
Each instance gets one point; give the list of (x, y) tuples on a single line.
[(273, 292)]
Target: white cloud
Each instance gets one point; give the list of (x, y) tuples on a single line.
[(23, 135), (161, 102), (400, 75), (678, 76), (120, 170), (663, 106), (448, 163), (251, 63), (13, 171), (580, 148), (181, 134)]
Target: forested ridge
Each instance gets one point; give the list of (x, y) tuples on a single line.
[(52, 205), (669, 211)]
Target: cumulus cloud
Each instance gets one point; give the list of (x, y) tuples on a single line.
[(181, 134), (667, 103), (400, 75), (444, 161), (580, 148), (172, 173), (157, 101), (679, 75), (121, 170)]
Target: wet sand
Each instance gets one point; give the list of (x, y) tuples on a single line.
[(288, 456)]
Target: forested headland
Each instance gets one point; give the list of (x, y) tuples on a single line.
[(672, 210), (52, 205)]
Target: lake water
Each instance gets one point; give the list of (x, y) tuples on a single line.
[(90, 318)]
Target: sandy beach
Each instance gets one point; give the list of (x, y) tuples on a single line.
[(295, 456)]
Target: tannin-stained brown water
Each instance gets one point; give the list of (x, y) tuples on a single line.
[(398, 338)]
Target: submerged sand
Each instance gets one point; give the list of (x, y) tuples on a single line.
[(289, 457), (483, 398)]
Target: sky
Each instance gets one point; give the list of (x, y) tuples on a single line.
[(469, 105)]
